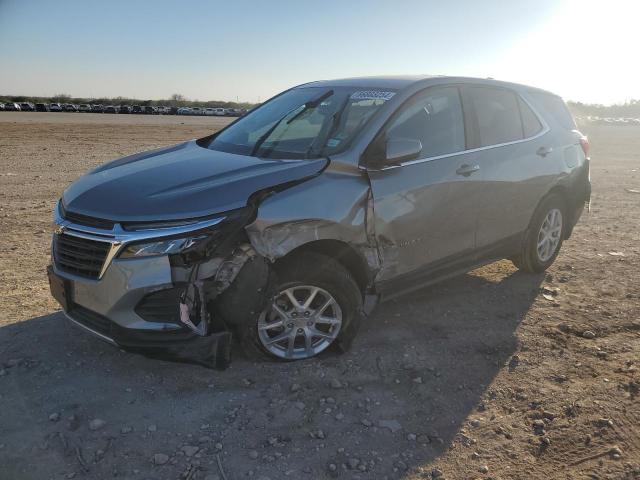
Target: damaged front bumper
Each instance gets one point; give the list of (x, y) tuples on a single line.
[(140, 304), (179, 344), (127, 308)]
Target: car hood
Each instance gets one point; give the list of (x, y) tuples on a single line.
[(182, 181)]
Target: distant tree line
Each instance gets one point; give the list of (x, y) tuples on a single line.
[(627, 109), (176, 100)]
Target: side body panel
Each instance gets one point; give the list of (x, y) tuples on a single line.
[(568, 154), (514, 181), (332, 206), (420, 221), (424, 214), (516, 177)]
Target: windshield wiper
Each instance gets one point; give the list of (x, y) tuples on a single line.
[(335, 123), (308, 105)]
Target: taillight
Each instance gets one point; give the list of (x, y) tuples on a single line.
[(584, 143)]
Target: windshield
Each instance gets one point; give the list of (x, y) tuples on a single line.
[(306, 122)]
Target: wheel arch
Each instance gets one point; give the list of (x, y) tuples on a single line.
[(564, 192), (345, 254)]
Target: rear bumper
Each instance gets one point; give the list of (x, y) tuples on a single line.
[(577, 213), (580, 197), (587, 182)]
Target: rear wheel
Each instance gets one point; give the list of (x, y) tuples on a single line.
[(544, 236), (314, 305)]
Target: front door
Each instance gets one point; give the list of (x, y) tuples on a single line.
[(425, 209)]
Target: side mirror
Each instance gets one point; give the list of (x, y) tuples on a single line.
[(402, 149)]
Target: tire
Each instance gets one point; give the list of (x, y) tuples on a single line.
[(531, 259), (295, 274)]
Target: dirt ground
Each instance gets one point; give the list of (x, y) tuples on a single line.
[(494, 374)]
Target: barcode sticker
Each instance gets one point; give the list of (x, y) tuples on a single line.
[(372, 95)]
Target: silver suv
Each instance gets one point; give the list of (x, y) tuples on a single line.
[(288, 226)]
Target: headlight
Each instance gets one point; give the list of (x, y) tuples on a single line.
[(161, 247)]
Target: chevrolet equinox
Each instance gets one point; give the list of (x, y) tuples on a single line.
[(288, 226)]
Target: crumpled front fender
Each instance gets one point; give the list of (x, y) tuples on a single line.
[(333, 206)]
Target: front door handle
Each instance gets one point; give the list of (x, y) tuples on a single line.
[(466, 170), (544, 151)]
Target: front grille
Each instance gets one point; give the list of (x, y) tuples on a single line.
[(161, 306), (80, 256), (89, 319)]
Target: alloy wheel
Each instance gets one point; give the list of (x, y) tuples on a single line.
[(300, 322), (549, 235)]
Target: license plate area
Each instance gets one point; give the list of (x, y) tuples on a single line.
[(61, 289)]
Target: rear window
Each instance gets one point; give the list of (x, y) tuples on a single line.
[(497, 115), (555, 107)]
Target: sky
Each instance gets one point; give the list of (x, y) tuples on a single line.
[(584, 50)]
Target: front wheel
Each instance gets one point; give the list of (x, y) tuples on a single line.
[(544, 236), (316, 304)]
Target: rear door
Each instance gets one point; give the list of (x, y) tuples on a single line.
[(508, 141), (425, 209)]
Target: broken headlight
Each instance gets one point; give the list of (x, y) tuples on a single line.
[(192, 246), (162, 247)]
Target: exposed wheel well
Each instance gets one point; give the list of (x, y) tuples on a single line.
[(343, 253)]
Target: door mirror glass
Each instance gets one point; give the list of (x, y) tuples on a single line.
[(402, 149)]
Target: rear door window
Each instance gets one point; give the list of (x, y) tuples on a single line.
[(495, 114), (435, 118)]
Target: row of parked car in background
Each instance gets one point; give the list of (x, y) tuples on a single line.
[(619, 121), (134, 109)]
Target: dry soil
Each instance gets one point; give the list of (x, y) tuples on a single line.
[(495, 374)]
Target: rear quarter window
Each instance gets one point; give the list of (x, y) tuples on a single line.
[(555, 108), (531, 126)]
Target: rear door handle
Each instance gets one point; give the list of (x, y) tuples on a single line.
[(466, 170), (544, 151)]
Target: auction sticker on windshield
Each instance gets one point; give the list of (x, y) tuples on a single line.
[(372, 95)]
